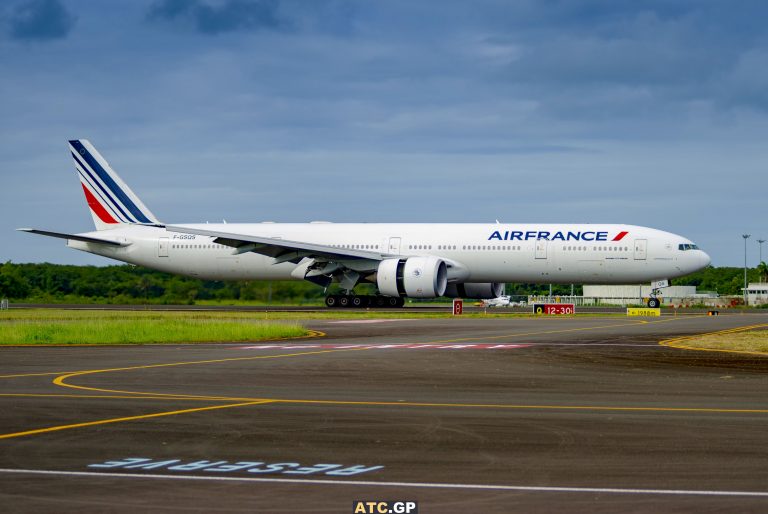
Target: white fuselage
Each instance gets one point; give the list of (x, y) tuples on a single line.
[(529, 253)]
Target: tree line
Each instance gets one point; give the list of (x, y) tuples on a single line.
[(127, 284)]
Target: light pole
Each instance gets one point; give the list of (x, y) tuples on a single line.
[(760, 242), (745, 236)]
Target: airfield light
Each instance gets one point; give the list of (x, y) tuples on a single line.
[(745, 236)]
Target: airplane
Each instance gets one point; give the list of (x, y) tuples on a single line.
[(500, 301), (402, 260)]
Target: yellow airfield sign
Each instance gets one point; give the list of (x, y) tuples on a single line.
[(643, 311)]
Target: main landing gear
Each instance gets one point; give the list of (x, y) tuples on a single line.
[(362, 301)]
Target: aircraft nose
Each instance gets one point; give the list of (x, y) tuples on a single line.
[(704, 259)]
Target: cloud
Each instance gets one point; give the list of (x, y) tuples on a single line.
[(599, 110), (227, 16), (40, 20)]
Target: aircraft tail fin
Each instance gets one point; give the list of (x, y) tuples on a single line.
[(110, 200)]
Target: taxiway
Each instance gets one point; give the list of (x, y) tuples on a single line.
[(461, 415)]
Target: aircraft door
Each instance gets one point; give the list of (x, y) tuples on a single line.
[(162, 247), (394, 246), (541, 249), (641, 249)]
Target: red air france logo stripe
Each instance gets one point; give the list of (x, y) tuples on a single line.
[(96, 207), (620, 236)]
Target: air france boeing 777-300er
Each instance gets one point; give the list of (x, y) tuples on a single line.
[(416, 260)]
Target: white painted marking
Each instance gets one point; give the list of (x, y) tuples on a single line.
[(633, 345), (427, 485), (382, 346), (362, 321)]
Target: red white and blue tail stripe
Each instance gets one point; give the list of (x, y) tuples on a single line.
[(110, 199)]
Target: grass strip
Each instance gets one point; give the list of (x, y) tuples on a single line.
[(750, 341), (141, 331), (12, 315)]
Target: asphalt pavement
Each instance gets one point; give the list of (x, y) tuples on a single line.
[(458, 415)]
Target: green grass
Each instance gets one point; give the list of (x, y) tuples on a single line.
[(95, 326), (254, 315), (124, 327)]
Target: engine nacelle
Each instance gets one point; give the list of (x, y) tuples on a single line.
[(416, 277), (475, 290)]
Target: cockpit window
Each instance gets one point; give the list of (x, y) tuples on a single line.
[(687, 246)]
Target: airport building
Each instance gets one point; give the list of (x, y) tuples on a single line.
[(757, 293), (637, 294)]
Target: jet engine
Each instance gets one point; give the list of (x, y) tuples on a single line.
[(475, 290), (415, 277)]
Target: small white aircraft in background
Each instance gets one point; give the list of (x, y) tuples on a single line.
[(401, 259), (499, 301)]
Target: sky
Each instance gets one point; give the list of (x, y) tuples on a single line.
[(651, 113)]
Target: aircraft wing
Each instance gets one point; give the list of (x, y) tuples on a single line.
[(317, 263), (74, 237), (282, 250)]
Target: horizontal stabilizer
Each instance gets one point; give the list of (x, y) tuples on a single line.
[(74, 237)]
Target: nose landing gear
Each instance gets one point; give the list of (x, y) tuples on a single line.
[(656, 285)]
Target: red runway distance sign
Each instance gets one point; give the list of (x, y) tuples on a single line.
[(554, 309)]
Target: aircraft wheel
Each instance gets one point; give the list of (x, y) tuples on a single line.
[(653, 303), (379, 301), (344, 301), (392, 301), (331, 301), (356, 301)]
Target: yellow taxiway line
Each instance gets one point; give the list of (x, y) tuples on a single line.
[(242, 402), (128, 418)]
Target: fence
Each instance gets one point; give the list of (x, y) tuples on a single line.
[(590, 301)]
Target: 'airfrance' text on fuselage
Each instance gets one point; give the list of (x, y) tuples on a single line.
[(519, 235)]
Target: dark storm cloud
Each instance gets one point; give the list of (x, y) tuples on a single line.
[(216, 18), (653, 113), (40, 20)]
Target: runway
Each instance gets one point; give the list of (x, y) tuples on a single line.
[(460, 415)]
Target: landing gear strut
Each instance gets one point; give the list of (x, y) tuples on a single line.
[(362, 301), (656, 285), (653, 302)]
